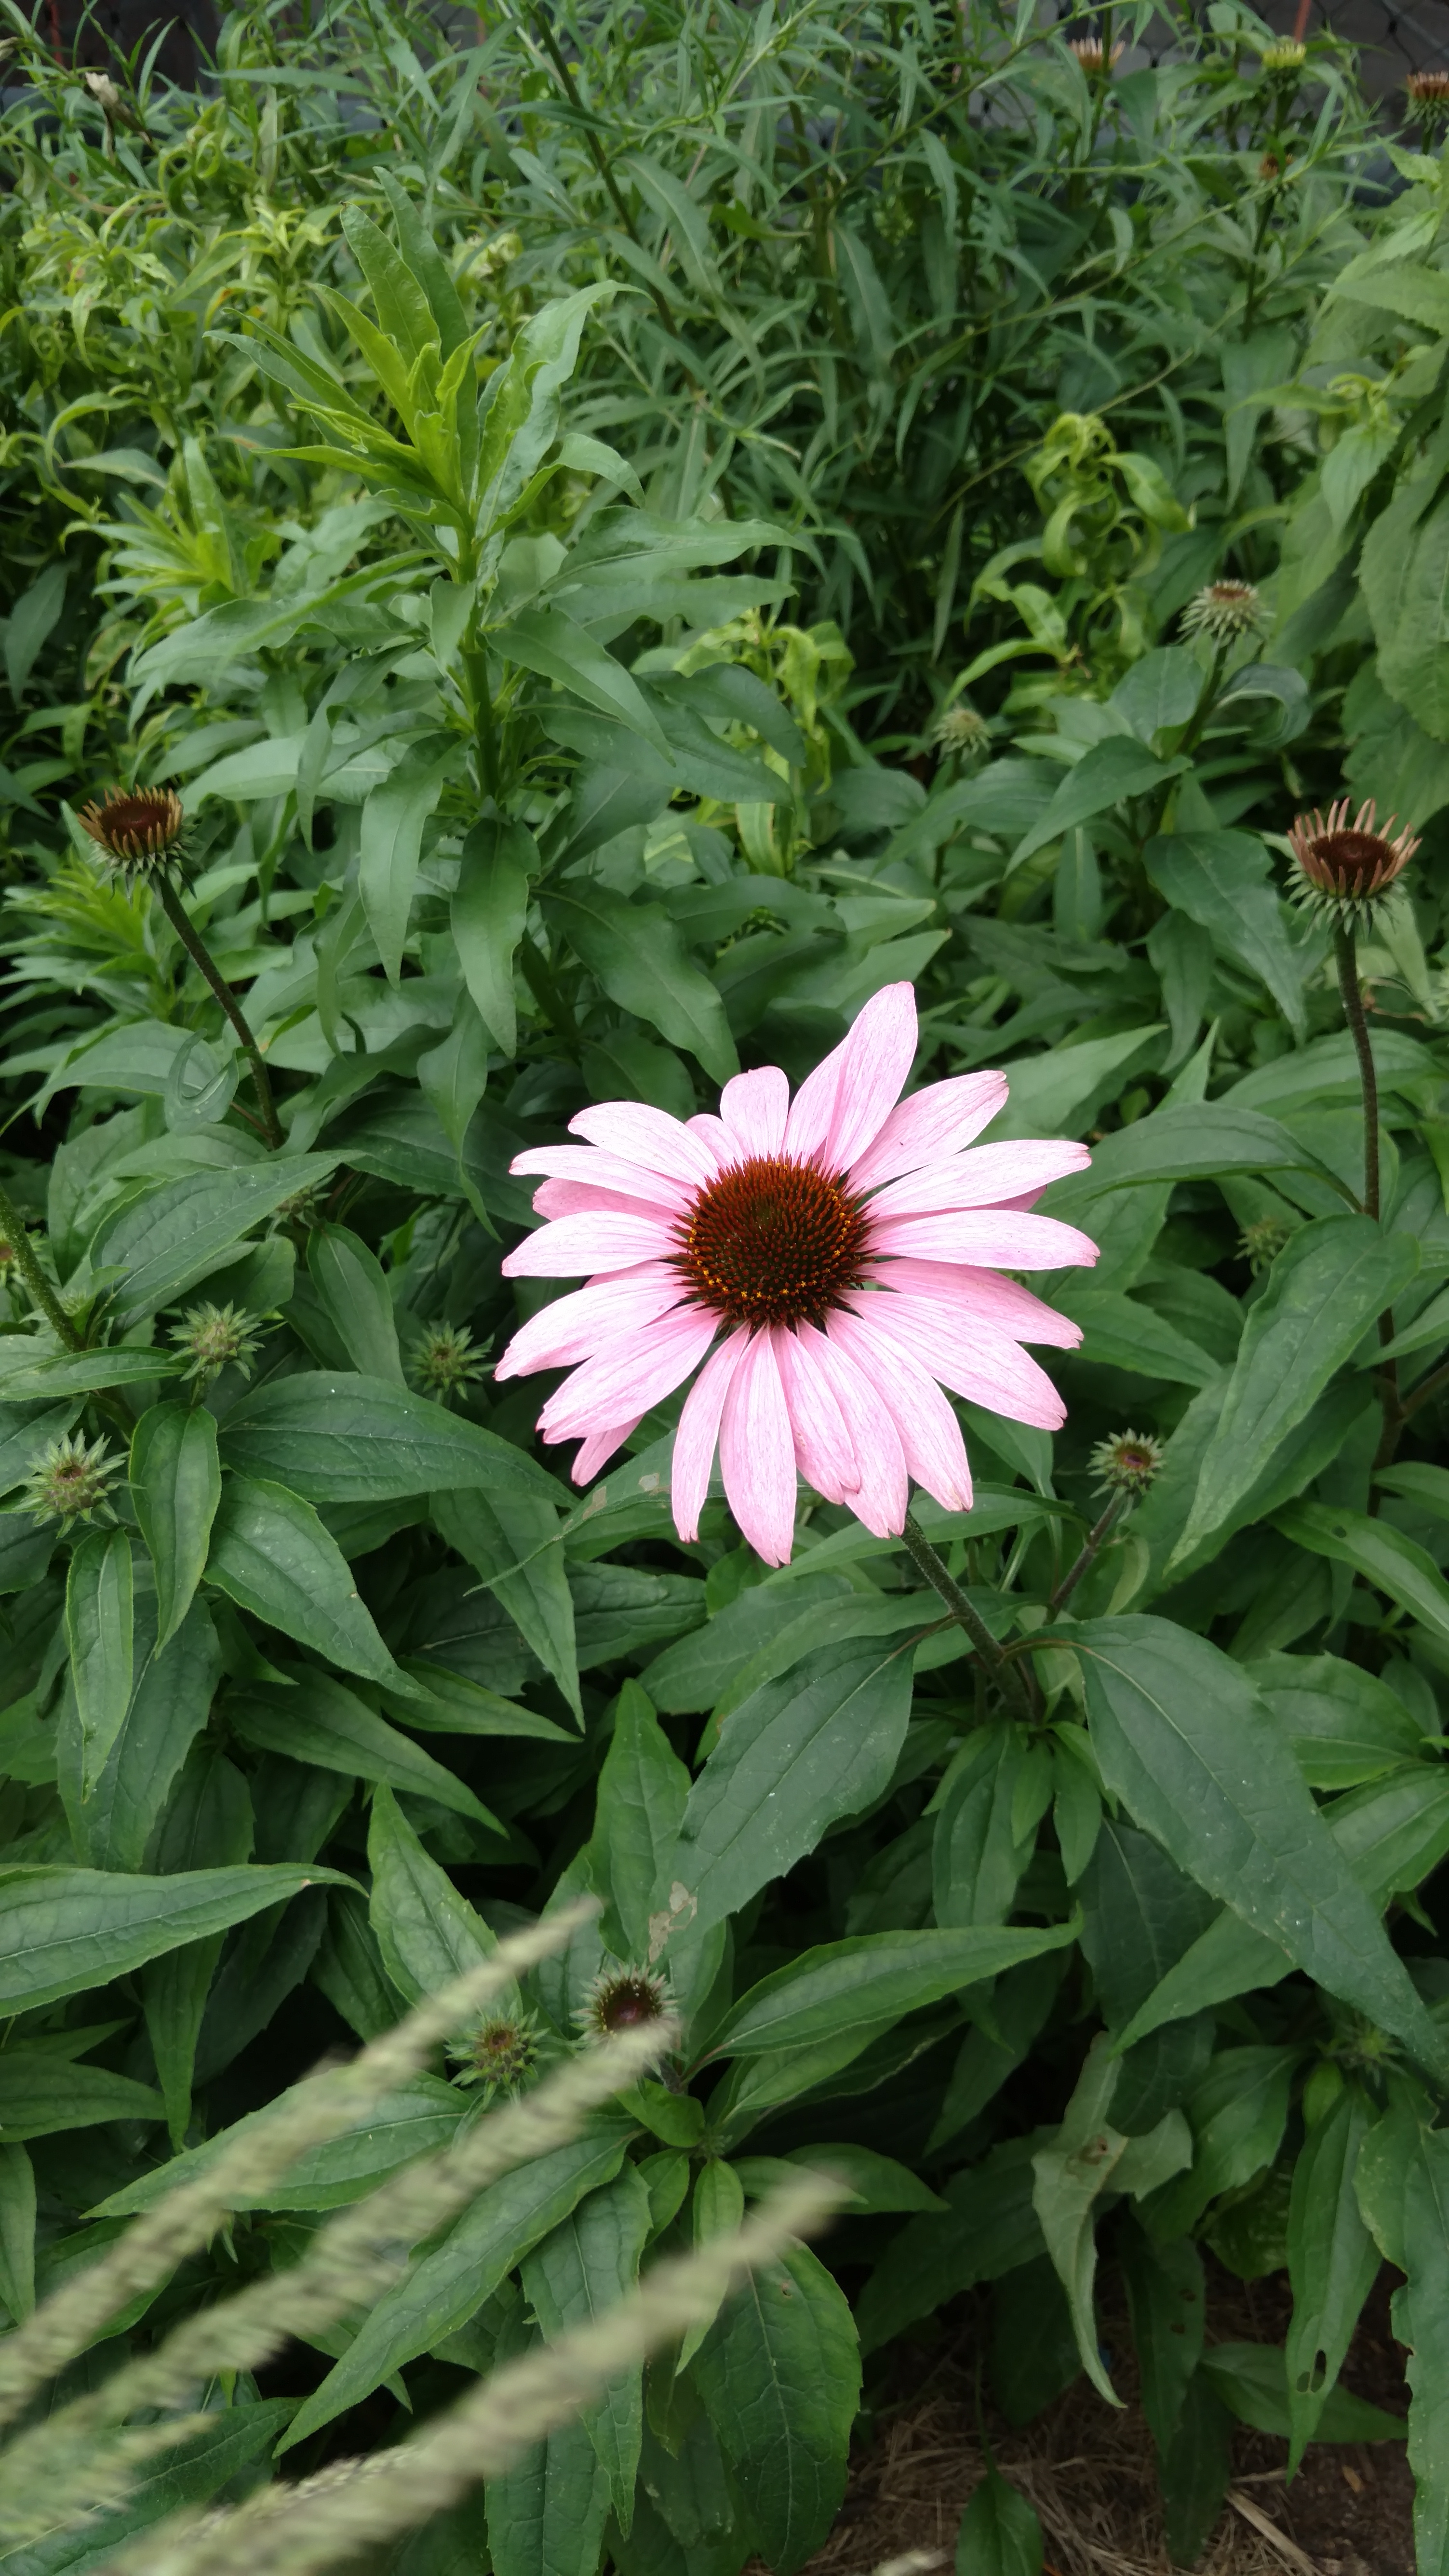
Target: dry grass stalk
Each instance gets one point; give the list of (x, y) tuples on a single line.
[(300, 2530)]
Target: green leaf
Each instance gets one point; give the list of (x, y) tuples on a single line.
[(321, 1722), (168, 1239), (818, 1744), (1222, 881), (445, 2287), (17, 2232), (78, 1372), (1166, 2299), (1332, 2263), (175, 1487), (1085, 2159), (393, 818), (63, 1930), (779, 2372), (352, 1285), (548, 2509), (1325, 1289), (427, 1933), (1196, 1140), (1000, 2534), (861, 1986), (1345, 1726), (188, 2475), (582, 2268), (1058, 1090), (1421, 2320), (637, 954), (1384, 1557), (546, 641), (41, 2094), (489, 913), (643, 1788), (1194, 2471), (513, 1541), (988, 1808), (99, 1613), (334, 1438), (271, 1555), (1184, 1741), (1238, 2113), (1142, 1916), (112, 1825), (1110, 771), (1252, 2380), (1120, 1333)]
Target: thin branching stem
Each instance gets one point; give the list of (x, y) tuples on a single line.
[(1091, 1548), (965, 1613), (200, 955)]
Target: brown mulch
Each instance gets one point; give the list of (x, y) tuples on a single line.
[(1089, 2470)]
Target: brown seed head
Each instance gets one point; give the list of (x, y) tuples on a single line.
[(138, 827), (1429, 92), (1344, 870), (1091, 53), (623, 1999)]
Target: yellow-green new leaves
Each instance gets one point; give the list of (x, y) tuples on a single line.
[(1325, 1291), (1184, 1741)]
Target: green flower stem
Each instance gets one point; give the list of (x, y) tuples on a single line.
[(1091, 1548), (930, 1564), (41, 1294), (1345, 945), (196, 949)]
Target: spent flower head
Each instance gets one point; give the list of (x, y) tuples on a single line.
[(820, 1267), (217, 1337), (1261, 1242), (1092, 54), (1126, 1463), (500, 2053), (623, 1998), (1223, 611), (1345, 871), (445, 1359), (66, 1481), (961, 729), (138, 830)]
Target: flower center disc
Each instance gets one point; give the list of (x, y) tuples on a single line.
[(1352, 859), (773, 1242)]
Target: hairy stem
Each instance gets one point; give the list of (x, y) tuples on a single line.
[(197, 950), (38, 1288), (1091, 1548), (963, 1611)]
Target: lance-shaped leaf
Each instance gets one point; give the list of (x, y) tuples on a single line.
[(1332, 2262), (175, 1486), (63, 1930), (1325, 1290), (322, 1723), (588, 2263), (637, 954), (1383, 1555), (168, 1239), (271, 1555), (1186, 1744), (779, 2372), (99, 1610), (337, 1438)]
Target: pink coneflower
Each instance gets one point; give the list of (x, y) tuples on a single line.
[(833, 1261)]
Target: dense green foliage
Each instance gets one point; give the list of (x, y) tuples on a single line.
[(631, 540)]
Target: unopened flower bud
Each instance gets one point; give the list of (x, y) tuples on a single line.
[(1344, 871), (139, 830), (1127, 1463), (1223, 611), (445, 1360), (217, 1337), (623, 1999), (67, 1481), (1261, 1242), (500, 2053), (961, 729)]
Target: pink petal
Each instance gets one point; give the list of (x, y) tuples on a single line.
[(600, 1171), (716, 1138), (754, 1107), (576, 1198), (599, 1448), (648, 1136), (629, 1372), (577, 1325), (988, 1176), (985, 1367), (576, 1245), (930, 1434), (884, 1492), (757, 1453), (824, 1450), (986, 1237), (847, 1099), (941, 1288), (694, 1441), (936, 1121)]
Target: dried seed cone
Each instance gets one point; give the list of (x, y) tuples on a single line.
[(138, 829), (1429, 93), (1345, 871)]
